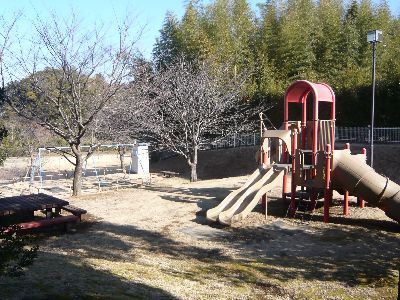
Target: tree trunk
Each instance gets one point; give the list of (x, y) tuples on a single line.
[(193, 172), (121, 151), (193, 165), (77, 181), (32, 161)]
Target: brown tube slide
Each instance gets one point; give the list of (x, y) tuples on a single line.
[(351, 173)]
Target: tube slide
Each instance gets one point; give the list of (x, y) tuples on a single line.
[(351, 173), (241, 202)]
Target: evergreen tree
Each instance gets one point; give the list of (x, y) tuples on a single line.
[(267, 41), (296, 49), (328, 44), (219, 30), (350, 43), (321, 40), (194, 40), (243, 32), (167, 46)]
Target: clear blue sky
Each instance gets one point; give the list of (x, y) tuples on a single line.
[(149, 12)]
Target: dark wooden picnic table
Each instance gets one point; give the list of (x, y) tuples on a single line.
[(20, 210), (29, 203)]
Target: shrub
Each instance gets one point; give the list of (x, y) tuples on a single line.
[(15, 254)]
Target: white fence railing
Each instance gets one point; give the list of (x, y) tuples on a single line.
[(363, 134), (234, 140), (342, 134)]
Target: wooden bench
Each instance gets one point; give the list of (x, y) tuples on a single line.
[(169, 173), (47, 222), (76, 211)]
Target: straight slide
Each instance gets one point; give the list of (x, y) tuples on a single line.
[(241, 202), (212, 214)]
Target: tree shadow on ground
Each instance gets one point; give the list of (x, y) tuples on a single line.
[(104, 240), (73, 271), (350, 255), (204, 198), (213, 193), (65, 277), (353, 251), (277, 250), (277, 207)]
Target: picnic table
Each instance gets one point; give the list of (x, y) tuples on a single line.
[(23, 208), (169, 173)]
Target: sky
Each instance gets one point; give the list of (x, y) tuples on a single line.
[(146, 13)]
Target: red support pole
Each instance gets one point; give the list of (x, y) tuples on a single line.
[(293, 190), (360, 200), (346, 193), (333, 118), (284, 183), (303, 123), (265, 159), (284, 186), (313, 196), (328, 194)]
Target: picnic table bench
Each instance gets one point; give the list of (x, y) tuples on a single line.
[(65, 220), (25, 206), (76, 211), (169, 173)]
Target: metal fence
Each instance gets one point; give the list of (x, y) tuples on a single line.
[(342, 134), (363, 134), (234, 140)]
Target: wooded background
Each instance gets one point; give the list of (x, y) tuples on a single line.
[(287, 40)]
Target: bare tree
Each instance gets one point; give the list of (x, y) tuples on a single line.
[(69, 75), (7, 29), (119, 120), (24, 137), (189, 103)]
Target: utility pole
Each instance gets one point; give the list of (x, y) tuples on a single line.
[(373, 37)]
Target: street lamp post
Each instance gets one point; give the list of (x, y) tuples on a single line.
[(373, 37)]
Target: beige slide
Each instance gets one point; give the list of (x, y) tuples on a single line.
[(212, 214), (351, 173), (238, 204)]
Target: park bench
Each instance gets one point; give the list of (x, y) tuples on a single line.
[(76, 211), (48, 222), (169, 173)]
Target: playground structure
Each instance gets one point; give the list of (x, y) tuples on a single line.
[(306, 150)]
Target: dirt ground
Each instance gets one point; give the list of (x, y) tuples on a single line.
[(153, 242)]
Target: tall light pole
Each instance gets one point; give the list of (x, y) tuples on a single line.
[(373, 37)]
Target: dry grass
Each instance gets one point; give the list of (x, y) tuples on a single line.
[(154, 243)]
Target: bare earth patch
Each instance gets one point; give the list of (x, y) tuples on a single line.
[(153, 242)]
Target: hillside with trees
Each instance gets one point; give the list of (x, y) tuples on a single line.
[(287, 40)]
